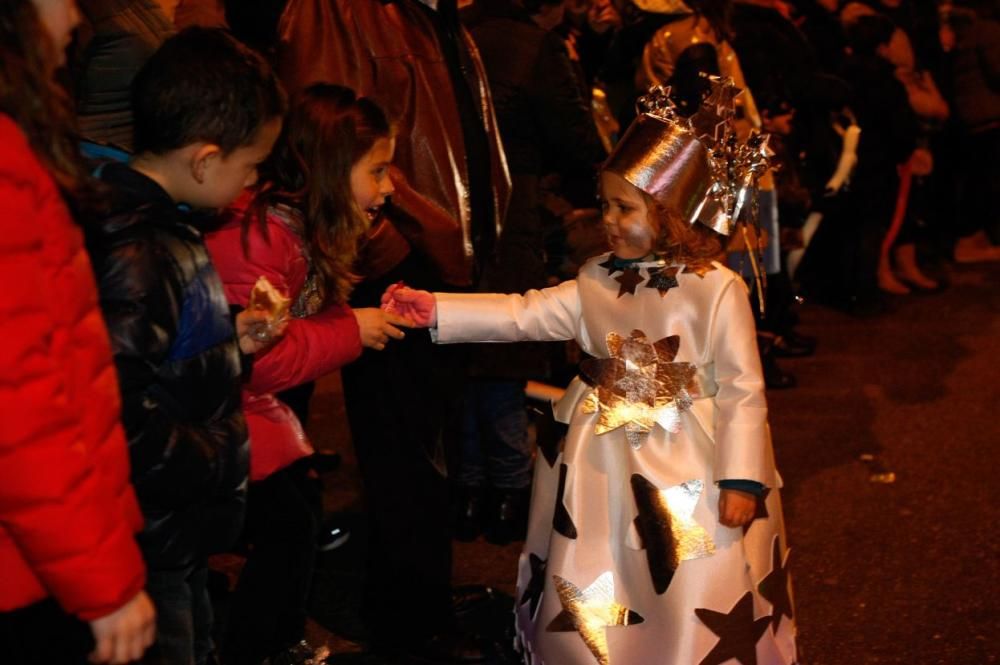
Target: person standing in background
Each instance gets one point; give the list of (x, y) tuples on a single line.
[(439, 229)]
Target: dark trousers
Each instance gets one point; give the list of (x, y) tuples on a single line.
[(269, 606), (403, 403), (183, 616), (43, 634)]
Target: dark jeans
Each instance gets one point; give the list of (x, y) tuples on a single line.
[(269, 606), (495, 451), (43, 634), (183, 616), (403, 403)]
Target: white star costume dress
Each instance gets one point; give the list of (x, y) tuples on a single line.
[(626, 562)]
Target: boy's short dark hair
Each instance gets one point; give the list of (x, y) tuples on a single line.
[(203, 85)]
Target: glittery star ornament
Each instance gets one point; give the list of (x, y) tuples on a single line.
[(590, 611), (774, 587), (667, 527), (738, 632), (760, 512), (536, 584), (629, 279), (662, 279), (712, 119), (639, 386)]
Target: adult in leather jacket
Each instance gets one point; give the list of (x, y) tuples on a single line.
[(451, 190), (179, 369), (116, 38), (395, 52)]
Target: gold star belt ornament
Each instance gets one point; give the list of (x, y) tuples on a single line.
[(639, 386)]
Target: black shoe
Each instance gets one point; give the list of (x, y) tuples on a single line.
[(776, 378), (331, 537), (508, 516), (468, 513)]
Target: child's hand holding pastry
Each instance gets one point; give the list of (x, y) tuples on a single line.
[(418, 306), (265, 318)]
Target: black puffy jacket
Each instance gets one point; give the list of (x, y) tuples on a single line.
[(178, 368)]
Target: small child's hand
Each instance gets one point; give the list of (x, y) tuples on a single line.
[(378, 325), (420, 307), (255, 330), (736, 508)]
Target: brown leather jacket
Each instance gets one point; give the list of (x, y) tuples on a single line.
[(388, 50)]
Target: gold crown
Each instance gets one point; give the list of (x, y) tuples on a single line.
[(695, 167)]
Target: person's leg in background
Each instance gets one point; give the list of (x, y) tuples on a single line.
[(268, 612)]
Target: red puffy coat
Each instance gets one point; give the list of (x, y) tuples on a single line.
[(67, 511), (311, 347)]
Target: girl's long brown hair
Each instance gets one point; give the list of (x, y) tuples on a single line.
[(30, 95), (325, 134)]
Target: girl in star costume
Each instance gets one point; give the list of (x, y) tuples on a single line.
[(656, 536)]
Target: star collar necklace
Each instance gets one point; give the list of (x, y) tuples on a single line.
[(660, 276)]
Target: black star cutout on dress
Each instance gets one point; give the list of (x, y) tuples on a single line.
[(666, 526), (629, 279), (738, 632), (662, 279), (590, 611), (609, 263), (760, 512), (533, 592), (561, 520), (774, 587)]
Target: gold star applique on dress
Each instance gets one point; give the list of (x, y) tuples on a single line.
[(639, 386), (667, 527), (590, 611)]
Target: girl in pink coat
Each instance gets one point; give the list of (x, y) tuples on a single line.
[(299, 227)]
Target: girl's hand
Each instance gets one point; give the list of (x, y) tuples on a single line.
[(736, 508), (418, 306), (255, 330), (122, 636), (377, 326)]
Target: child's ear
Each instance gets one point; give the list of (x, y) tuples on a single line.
[(202, 159)]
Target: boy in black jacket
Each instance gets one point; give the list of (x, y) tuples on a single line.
[(207, 111)]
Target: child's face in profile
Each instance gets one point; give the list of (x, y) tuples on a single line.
[(370, 181), (626, 217), (224, 177)]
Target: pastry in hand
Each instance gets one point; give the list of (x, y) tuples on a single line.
[(264, 296)]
